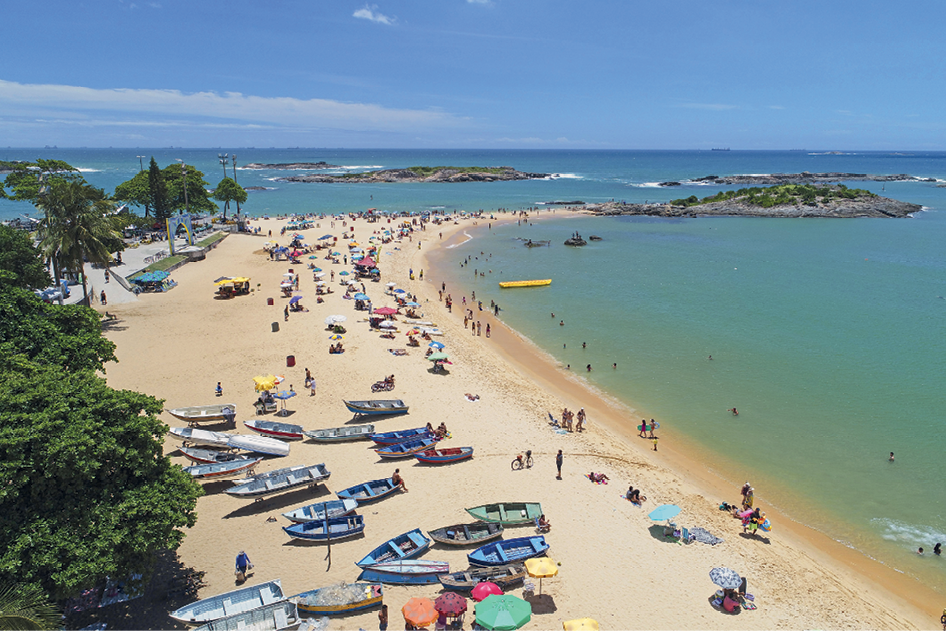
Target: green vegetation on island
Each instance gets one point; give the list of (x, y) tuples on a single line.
[(781, 195)]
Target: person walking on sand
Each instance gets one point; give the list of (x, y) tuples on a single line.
[(311, 386), (397, 480), (653, 425), (655, 443), (243, 565), (286, 313), (219, 390), (487, 329), (643, 433), (383, 618), (558, 464)]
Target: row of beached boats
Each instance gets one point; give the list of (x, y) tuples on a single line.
[(226, 412)]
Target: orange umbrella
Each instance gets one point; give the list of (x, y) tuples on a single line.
[(420, 612)]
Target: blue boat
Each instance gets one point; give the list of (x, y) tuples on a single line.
[(406, 449), (321, 510), (390, 438), (328, 529), (402, 547), (369, 491), (444, 456), (377, 407), (509, 551), (414, 572)]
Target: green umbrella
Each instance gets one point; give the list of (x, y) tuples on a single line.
[(503, 612), (436, 357)]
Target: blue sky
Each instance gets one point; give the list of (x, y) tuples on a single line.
[(666, 74)]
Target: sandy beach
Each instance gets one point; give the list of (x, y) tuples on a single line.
[(616, 566)]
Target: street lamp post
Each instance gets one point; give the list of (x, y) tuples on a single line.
[(223, 161), (140, 163)]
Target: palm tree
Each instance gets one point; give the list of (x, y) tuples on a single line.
[(76, 227), (27, 607)]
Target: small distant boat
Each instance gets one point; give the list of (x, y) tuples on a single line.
[(508, 514), (205, 413), (328, 529), (321, 510), (503, 575), (444, 456), (415, 572), (377, 407), (338, 600), (466, 534), (275, 617), (192, 436), (525, 283), (509, 551), (222, 470), (259, 444), (402, 547), (280, 483), (339, 434), (230, 603), (211, 456), (406, 449), (390, 438), (369, 491), (286, 431)]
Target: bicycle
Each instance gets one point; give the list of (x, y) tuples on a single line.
[(522, 460)]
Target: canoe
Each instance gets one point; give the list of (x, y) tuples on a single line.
[(525, 283), (400, 548), (222, 470), (476, 533), (508, 513), (280, 483), (205, 413), (377, 407), (444, 456), (339, 434), (321, 510), (415, 572), (272, 474), (230, 603), (390, 438), (286, 431), (328, 529), (509, 551), (340, 599), (192, 436), (503, 575), (259, 444), (275, 617), (210, 456), (369, 491), (406, 449)]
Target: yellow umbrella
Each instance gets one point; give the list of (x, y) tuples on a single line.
[(225, 281), (240, 279), (265, 383), (543, 567), (580, 624)]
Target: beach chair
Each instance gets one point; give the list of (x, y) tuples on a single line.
[(541, 529), (554, 421), (684, 535)]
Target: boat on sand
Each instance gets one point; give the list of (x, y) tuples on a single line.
[(205, 413), (340, 599), (508, 513), (476, 533), (230, 603)]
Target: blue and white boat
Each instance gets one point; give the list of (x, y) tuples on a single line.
[(369, 491), (328, 529), (340, 434), (390, 438), (276, 617), (230, 603), (406, 449), (321, 510), (509, 551), (377, 407), (270, 484), (223, 470), (412, 572), (402, 547)]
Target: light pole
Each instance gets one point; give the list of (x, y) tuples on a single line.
[(184, 178), (235, 180), (223, 161), (140, 163)]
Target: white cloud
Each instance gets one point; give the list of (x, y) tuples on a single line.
[(370, 12)]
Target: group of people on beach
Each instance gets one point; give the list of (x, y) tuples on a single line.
[(439, 433), (568, 417)]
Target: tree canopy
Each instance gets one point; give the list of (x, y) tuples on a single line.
[(197, 199), (229, 191), (136, 191), (20, 262), (26, 179)]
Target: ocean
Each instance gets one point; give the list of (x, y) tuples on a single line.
[(827, 335)]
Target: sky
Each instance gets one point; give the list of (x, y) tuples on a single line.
[(625, 74)]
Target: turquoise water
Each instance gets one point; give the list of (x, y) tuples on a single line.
[(827, 335)]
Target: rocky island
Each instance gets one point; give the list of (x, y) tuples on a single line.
[(292, 166), (422, 174), (801, 178)]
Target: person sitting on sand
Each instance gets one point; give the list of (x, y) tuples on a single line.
[(442, 429), (472, 397), (397, 480), (601, 478), (431, 430), (544, 525)]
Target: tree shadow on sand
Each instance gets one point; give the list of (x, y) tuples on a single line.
[(306, 494)]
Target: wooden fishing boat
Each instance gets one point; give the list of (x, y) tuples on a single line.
[(400, 548), (338, 600), (339, 434), (192, 436), (258, 444), (211, 456), (275, 617), (369, 491), (415, 572), (328, 529), (272, 474), (444, 456), (525, 283), (390, 438), (205, 413), (279, 483), (503, 575), (508, 513), (321, 510), (377, 407), (285, 431), (476, 533), (509, 551), (230, 603), (406, 449), (222, 470)]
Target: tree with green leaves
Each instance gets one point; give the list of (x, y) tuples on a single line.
[(20, 262), (158, 192), (229, 191), (197, 199), (136, 191), (24, 607), (27, 179)]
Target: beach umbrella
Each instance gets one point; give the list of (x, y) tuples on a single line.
[(264, 383), (319, 275), (540, 568), (320, 283), (313, 257), (450, 604), (361, 296), (725, 578), (385, 311), (412, 304), (484, 589), (325, 236), (223, 280), (413, 332), (295, 299), (420, 612), (436, 344), (288, 275), (316, 269), (336, 337), (388, 324), (580, 624), (666, 511), (503, 613), (436, 357), (282, 395), (390, 284), (400, 291)]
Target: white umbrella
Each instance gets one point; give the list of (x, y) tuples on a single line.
[(387, 324), (334, 319), (288, 275), (391, 285), (319, 283), (318, 275)]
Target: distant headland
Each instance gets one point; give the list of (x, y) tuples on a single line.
[(800, 178), (422, 174), (292, 166)]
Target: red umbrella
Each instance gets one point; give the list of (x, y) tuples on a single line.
[(385, 311), (450, 604), (484, 589)]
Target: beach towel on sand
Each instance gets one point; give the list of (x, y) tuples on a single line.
[(704, 536)]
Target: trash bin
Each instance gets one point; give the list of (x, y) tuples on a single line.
[(269, 301), (290, 361), (275, 327)]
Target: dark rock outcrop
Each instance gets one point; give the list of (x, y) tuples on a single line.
[(445, 174), (836, 208), (576, 240), (594, 237), (804, 178), (290, 166)]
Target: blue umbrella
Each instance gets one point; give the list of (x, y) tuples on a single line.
[(361, 296), (400, 291), (411, 304), (437, 345), (667, 511), (324, 237), (316, 269), (343, 273), (295, 299), (285, 394)]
